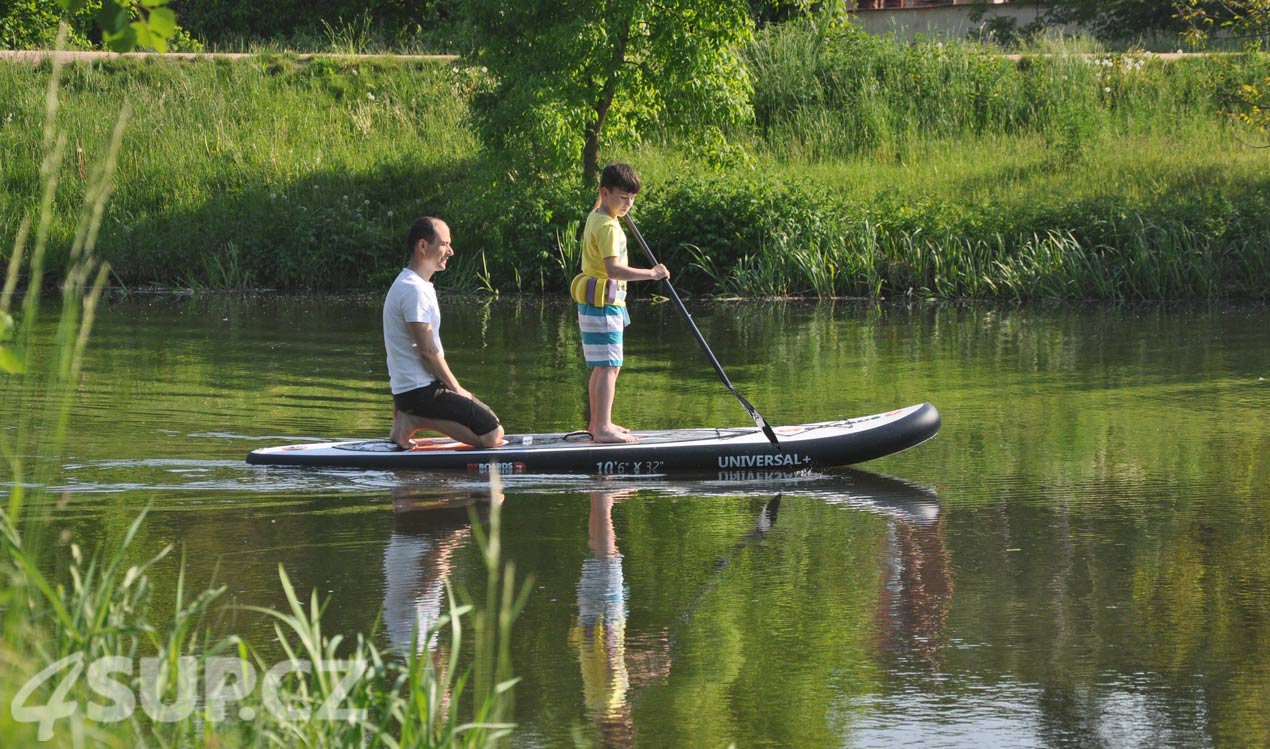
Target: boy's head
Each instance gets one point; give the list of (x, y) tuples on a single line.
[(619, 176), (618, 185)]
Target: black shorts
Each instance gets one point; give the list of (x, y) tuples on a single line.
[(436, 401)]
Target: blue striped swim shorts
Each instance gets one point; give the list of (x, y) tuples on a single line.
[(602, 333)]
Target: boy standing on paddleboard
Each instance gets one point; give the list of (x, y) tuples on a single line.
[(425, 393), (600, 291)]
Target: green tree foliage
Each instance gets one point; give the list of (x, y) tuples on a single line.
[(32, 24), (1243, 19), (118, 25), (767, 12), (126, 25), (1114, 19), (1247, 19), (216, 21), (568, 78)]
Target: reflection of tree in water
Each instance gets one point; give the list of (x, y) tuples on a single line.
[(917, 586)]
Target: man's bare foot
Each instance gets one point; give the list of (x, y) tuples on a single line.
[(612, 434), (402, 438), (404, 427)]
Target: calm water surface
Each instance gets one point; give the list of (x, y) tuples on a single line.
[(1080, 558)]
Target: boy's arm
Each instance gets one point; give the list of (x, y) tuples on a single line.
[(616, 269)]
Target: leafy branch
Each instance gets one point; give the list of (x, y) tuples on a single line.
[(130, 24)]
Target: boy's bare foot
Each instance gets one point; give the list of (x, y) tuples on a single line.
[(612, 434)]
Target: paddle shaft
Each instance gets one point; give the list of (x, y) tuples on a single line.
[(766, 520), (718, 368)]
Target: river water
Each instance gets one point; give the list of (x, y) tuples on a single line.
[(1080, 558)]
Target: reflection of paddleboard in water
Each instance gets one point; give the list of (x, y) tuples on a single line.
[(872, 492), (739, 453), (851, 488)]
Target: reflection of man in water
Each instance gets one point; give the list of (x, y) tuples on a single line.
[(600, 634), (415, 568), (417, 562)]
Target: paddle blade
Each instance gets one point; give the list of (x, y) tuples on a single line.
[(771, 436), (759, 421)]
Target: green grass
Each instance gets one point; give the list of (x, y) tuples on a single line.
[(866, 153), (312, 164)]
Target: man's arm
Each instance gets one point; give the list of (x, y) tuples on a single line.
[(432, 357)]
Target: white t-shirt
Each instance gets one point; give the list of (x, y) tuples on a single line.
[(410, 299)]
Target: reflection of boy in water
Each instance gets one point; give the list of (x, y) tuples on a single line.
[(608, 667), (600, 634)]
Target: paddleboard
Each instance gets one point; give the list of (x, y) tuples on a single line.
[(742, 452)]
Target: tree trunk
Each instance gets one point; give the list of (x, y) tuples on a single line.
[(603, 103)]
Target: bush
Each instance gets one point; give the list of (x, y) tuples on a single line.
[(32, 24), (877, 168)]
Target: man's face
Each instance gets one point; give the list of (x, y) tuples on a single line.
[(437, 252)]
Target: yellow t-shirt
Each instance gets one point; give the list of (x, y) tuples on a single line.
[(603, 237)]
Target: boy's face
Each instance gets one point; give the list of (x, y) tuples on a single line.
[(616, 203)]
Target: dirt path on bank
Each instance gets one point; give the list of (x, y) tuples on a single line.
[(36, 56)]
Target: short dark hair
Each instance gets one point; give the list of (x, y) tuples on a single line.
[(620, 176), (424, 228)]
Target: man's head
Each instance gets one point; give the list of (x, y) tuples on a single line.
[(429, 243), (618, 186)]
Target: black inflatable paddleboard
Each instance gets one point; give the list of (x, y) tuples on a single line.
[(728, 450)]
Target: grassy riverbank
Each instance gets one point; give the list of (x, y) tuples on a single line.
[(872, 168)]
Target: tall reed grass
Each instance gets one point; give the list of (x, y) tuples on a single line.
[(268, 172), (830, 92), (59, 628), (65, 612), (282, 173)]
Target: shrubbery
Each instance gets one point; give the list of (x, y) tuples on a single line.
[(873, 168)]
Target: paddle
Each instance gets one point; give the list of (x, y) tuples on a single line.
[(766, 520), (679, 305)]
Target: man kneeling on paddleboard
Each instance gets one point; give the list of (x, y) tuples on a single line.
[(425, 393)]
